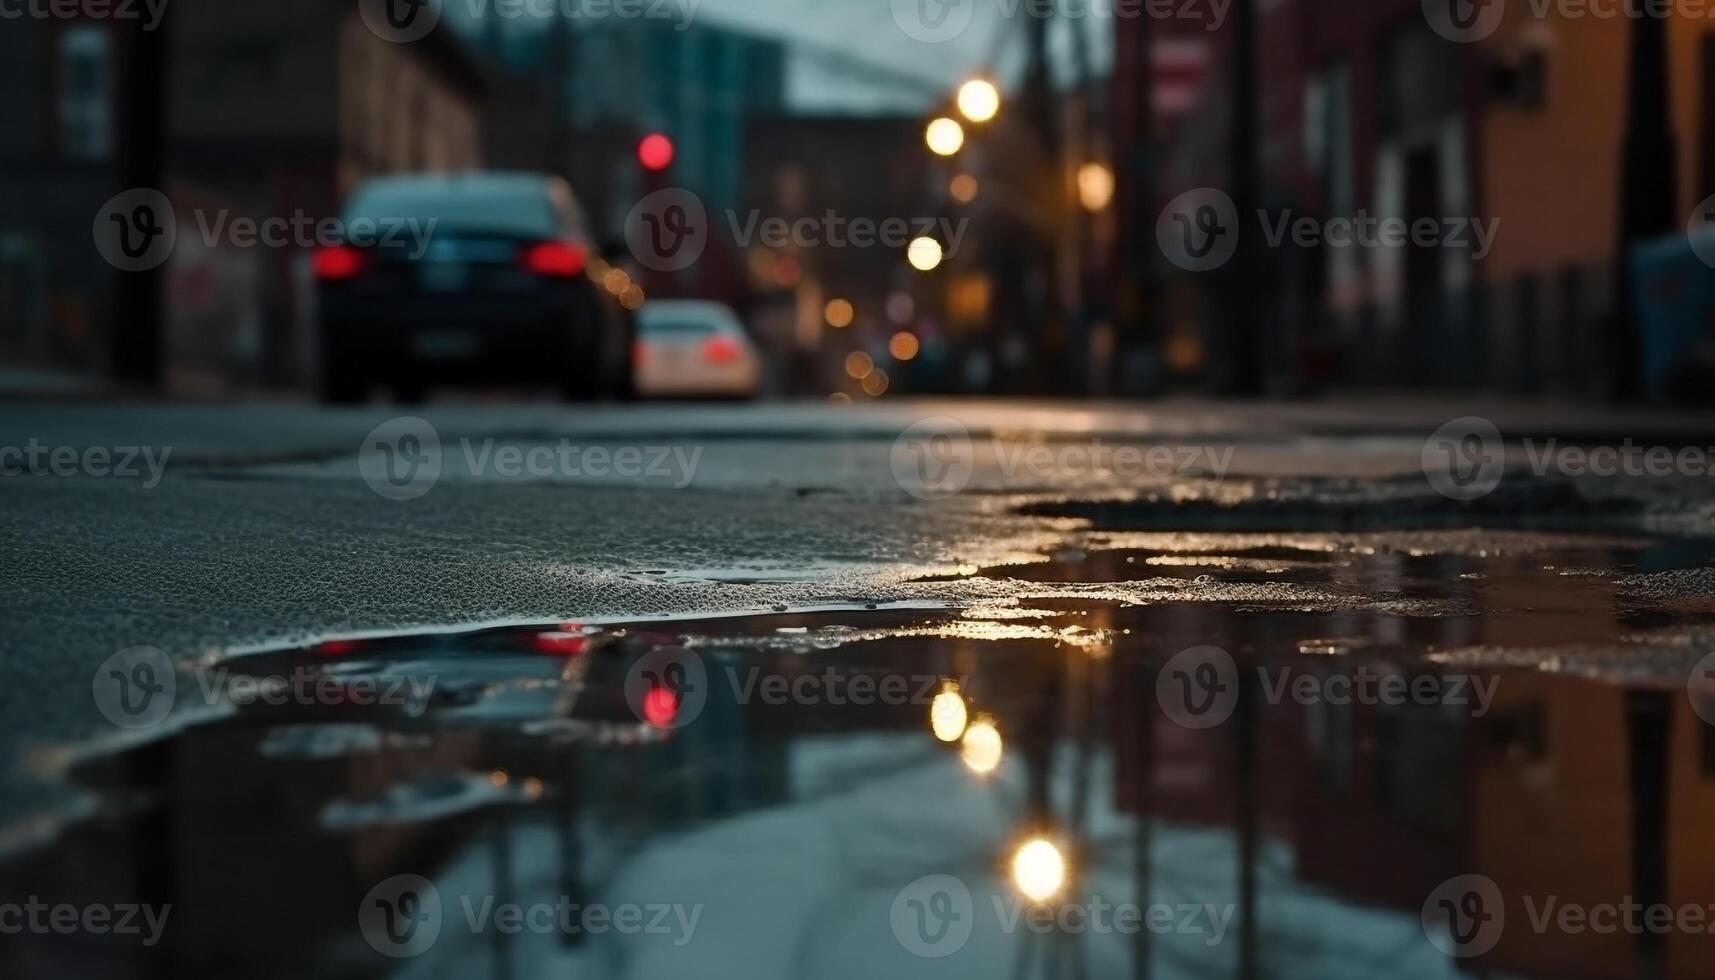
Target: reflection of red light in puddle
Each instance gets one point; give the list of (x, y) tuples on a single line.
[(561, 644), (660, 706), (336, 648)]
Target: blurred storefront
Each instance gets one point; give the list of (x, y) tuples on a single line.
[(275, 111), (1367, 112)]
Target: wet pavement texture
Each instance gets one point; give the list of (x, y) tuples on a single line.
[(1264, 744)]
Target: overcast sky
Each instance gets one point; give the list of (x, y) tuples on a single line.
[(835, 33)]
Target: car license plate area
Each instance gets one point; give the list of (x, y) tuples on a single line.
[(444, 277), (444, 344)]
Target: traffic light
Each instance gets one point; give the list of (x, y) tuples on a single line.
[(655, 152)]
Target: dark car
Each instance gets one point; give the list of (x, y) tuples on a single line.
[(467, 279)]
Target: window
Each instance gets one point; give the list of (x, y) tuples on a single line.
[(86, 93)]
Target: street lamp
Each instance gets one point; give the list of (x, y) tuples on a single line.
[(1095, 186), (924, 254), (945, 136), (979, 100), (1038, 869)]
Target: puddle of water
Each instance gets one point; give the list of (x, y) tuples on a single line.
[(770, 796)]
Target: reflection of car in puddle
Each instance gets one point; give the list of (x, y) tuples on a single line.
[(770, 775)]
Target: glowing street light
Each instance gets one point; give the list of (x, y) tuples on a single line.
[(1038, 869), (1095, 186), (924, 254), (979, 100), (945, 136)]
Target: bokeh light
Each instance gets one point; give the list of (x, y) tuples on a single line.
[(839, 313), (945, 136), (924, 254), (981, 748), (979, 100), (903, 346), (947, 713), (1038, 870), (1095, 186)]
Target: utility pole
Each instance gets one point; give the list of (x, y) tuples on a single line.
[(1648, 187), (1136, 311), (559, 76), (1039, 264), (140, 161), (1245, 333)]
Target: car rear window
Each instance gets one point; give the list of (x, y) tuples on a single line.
[(676, 326), (473, 207)]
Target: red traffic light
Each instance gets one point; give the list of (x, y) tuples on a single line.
[(655, 152)]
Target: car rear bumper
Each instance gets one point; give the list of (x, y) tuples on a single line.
[(459, 340), (741, 380)]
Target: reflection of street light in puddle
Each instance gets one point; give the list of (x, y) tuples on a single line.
[(981, 748), (947, 713), (1038, 869)]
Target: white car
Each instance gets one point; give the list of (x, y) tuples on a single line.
[(694, 349)]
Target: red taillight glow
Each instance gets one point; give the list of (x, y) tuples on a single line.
[(337, 262), (562, 644), (336, 648), (555, 259), (721, 350), (660, 707), (639, 353), (655, 152)]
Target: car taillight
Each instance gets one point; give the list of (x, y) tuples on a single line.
[(556, 259), (639, 353), (337, 262), (721, 350)]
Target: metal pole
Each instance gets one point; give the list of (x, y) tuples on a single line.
[(1647, 192), (1245, 369), (140, 161)]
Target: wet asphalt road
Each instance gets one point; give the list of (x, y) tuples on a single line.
[(243, 527), (964, 538)]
